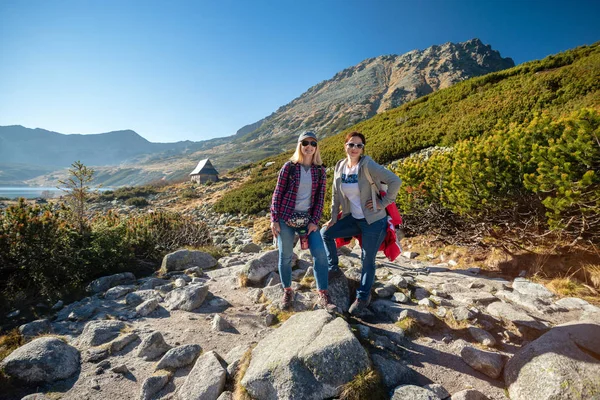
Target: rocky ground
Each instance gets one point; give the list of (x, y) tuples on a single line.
[(434, 330), (430, 332)]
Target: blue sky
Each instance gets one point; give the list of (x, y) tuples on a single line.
[(194, 70)]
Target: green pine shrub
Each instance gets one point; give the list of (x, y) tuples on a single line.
[(554, 161), (137, 202), (44, 256)]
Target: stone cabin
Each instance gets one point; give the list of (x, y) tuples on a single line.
[(204, 172)]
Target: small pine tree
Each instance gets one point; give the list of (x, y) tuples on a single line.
[(78, 192)]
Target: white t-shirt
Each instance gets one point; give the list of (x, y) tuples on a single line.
[(351, 190), (303, 197)]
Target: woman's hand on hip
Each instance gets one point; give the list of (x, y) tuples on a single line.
[(329, 224), (312, 228), (369, 205), (275, 228)]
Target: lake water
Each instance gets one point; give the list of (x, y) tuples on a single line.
[(32, 192)]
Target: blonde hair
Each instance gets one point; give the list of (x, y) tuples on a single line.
[(298, 157)]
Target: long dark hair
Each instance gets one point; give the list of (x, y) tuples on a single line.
[(356, 134)]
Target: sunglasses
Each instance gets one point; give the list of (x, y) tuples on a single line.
[(306, 143), (353, 145)]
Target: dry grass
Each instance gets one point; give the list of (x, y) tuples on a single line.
[(239, 391), (453, 323), (409, 325), (307, 281), (282, 315), (365, 386), (9, 342), (243, 279), (569, 287), (592, 273)]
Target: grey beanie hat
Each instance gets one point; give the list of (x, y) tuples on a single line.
[(306, 135)]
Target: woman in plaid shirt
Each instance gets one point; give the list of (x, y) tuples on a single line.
[(299, 195)]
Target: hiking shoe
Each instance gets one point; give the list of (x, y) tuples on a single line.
[(324, 301), (288, 296), (335, 273), (358, 307)]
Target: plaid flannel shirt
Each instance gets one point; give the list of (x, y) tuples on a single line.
[(284, 197)]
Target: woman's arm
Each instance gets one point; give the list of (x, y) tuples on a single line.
[(317, 209), (279, 190), (335, 199), (382, 174)]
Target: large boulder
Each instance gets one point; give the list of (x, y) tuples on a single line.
[(206, 380), (260, 267), (297, 360), (46, 359), (106, 282), (184, 259), (186, 298), (557, 365)]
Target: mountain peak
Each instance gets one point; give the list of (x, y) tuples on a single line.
[(377, 84)]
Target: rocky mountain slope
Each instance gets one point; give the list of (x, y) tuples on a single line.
[(352, 95), (376, 85)]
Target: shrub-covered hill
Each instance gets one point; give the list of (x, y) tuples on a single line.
[(555, 86)]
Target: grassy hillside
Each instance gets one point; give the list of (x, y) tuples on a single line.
[(556, 85)]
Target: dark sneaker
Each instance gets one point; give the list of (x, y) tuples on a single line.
[(325, 301), (288, 296), (335, 273), (358, 307)]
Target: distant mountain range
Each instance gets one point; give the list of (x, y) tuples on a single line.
[(35, 156)]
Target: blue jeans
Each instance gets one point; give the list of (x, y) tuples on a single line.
[(285, 241), (372, 237)]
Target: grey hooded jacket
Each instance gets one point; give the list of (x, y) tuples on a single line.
[(379, 174)]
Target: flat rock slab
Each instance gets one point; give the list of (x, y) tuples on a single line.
[(96, 333), (530, 303), (106, 282), (295, 361), (474, 298), (532, 289), (510, 313)]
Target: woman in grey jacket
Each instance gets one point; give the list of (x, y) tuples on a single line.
[(353, 192)]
